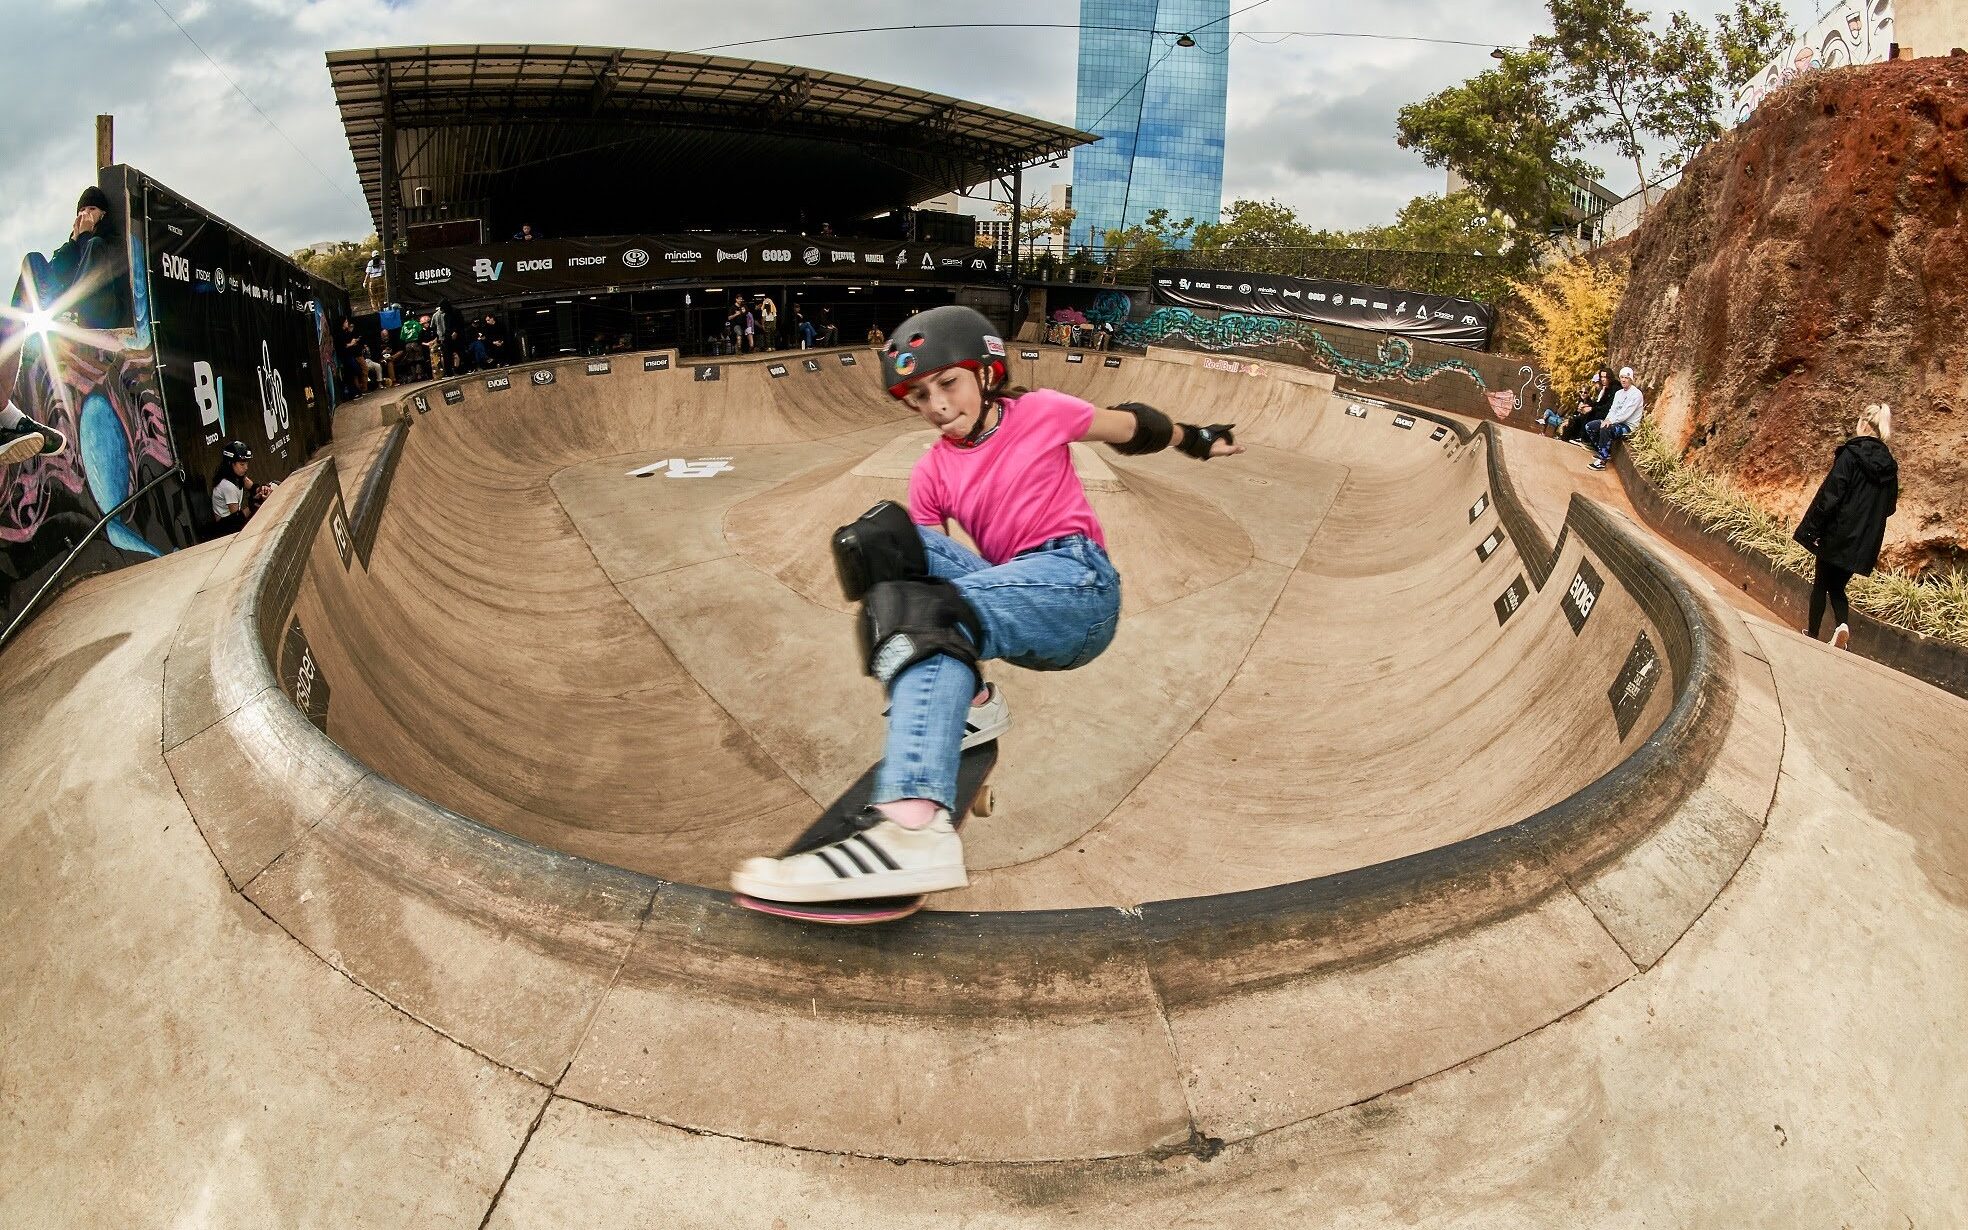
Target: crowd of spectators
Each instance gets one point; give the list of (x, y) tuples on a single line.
[(411, 348)]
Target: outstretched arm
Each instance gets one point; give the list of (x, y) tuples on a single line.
[(1123, 428)]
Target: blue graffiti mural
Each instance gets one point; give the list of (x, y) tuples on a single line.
[(1394, 358)]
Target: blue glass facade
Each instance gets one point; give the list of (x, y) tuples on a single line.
[(1158, 110)]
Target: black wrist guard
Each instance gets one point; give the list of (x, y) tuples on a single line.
[(1152, 430), (1196, 440)]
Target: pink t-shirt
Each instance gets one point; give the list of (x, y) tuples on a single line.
[(1016, 489)]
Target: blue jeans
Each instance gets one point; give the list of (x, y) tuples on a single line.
[(1052, 608), (1603, 436)]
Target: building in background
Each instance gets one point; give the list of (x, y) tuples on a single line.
[(1158, 108)]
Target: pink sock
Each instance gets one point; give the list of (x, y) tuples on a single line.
[(910, 813)]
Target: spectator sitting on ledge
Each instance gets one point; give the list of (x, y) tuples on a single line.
[(1620, 421)]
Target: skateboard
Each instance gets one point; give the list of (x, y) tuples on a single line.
[(974, 798)]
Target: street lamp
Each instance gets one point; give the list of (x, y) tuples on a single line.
[(1185, 41)]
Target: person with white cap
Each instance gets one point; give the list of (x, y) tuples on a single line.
[(1620, 421)]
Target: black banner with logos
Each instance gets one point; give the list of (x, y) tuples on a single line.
[(239, 344), (1439, 318), (548, 266)]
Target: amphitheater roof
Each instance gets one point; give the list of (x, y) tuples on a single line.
[(606, 139)]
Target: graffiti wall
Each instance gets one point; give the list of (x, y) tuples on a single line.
[(1430, 373), (1850, 32), (249, 362), (99, 388)]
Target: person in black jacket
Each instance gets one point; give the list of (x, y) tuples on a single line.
[(1846, 522), (81, 283), (1593, 402)]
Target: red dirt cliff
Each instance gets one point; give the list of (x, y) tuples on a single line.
[(1811, 261)]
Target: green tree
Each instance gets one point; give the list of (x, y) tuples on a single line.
[(1681, 102), (1038, 221), (340, 262), (1133, 250), (1749, 38), (1602, 57), (1458, 222), (1505, 133)]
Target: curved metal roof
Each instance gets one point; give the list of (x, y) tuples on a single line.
[(597, 140)]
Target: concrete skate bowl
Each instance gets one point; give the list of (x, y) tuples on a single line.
[(1359, 715)]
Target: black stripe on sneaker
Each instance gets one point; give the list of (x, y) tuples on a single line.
[(878, 852), (831, 864), (852, 857)]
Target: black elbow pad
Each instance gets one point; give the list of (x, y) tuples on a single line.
[(1152, 430)]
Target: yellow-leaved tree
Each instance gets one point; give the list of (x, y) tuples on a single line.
[(1571, 310)]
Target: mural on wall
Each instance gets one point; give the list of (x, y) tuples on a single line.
[(1394, 358), (100, 388), (1850, 32)]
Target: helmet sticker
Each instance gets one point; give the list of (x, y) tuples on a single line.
[(904, 364), (994, 345)]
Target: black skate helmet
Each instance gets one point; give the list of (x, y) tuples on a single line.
[(236, 450), (947, 336)]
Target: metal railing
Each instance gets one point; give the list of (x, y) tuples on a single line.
[(20, 619)]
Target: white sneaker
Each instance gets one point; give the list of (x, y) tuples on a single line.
[(882, 859), (987, 721), (1841, 636)]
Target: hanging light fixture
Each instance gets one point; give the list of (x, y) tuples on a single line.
[(1185, 41)]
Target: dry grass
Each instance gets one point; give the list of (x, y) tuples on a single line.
[(1935, 605)]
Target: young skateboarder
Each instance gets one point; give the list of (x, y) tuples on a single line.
[(1039, 591)]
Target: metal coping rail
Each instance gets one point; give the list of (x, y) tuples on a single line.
[(20, 620)]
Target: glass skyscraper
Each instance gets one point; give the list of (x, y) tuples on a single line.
[(1158, 109)]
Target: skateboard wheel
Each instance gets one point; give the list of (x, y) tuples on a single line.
[(986, 800)]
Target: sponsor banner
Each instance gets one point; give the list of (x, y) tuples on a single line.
[(812, 365), (656, 363), (598, 367), (1404, 421), (1439, 433), (338, 525), (453, 395), (1356, 412), (1439, 318), (500, 270), (1233, 366), (238, 346), (1110, 361), (1510, 599), (300, 672), (1476, 509), (422, 403), (775, 370), (1028, 355), (1583, 595), (1635, 684), (542, 375), (1076, 357), (497, 384), (847, 360), (707, 371), (1486, 548)]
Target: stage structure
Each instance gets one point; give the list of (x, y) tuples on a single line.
[(461, 146)]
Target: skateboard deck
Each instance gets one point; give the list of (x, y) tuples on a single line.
[(973, 797)]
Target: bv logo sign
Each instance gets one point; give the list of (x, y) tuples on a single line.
[(485, 269), (209, 392)]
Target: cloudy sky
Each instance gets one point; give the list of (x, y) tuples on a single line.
[(1310, 118)]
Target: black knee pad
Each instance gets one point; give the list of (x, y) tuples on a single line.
[(881, 544), (903, 622)]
